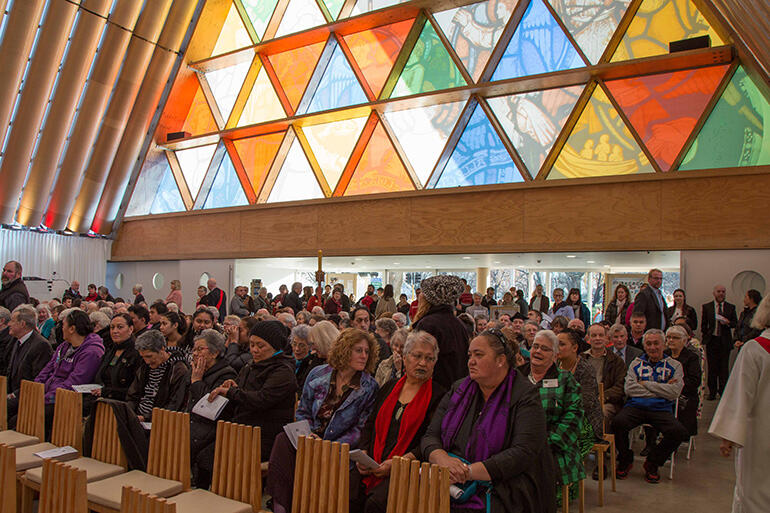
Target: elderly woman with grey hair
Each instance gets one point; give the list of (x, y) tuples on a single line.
[(101, 326), (392, 367), (162, 381), (304, 359)]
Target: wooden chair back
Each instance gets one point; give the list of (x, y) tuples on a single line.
[(169, 456), (321, 477), (106, 446), (3, 403), (133, 500), (417, 488), (31, 417), (68, 419), (7, 478), (63, 489), (601, 405), (237, 466)]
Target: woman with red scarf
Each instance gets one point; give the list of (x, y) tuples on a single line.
[(402, 412)]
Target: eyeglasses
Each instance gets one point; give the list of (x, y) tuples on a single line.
[(540, 347)]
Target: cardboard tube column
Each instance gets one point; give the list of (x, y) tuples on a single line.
[(134, 67), (92, 107)]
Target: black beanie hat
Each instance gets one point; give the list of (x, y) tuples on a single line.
[(272, 332)]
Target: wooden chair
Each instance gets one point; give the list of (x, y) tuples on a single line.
[(600, 450), (236, 485), (417, 488), (63, 489), (7, 478), (134, 500), (30, 421), (168, 465), (581, 497), (3, 404), (321, 477)]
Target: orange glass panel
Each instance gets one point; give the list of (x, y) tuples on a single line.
[(199, 119), (375, 51), (294, 69), (257, 154), (380, 169)]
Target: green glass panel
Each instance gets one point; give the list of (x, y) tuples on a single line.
[(334, 6), (260, 12), (737, 132), (429, 68)]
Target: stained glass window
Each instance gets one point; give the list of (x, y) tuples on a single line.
[(333, 7), (533, 120), (299, 16), (167, 199), (225, 85), (194, 163), (737, 132), (256, 155), (539, 45), (480, 158), (332, 143), (233, 35), (473, 31), (296, 180), (429, 67), (380, 169), (199, 119), (259, 13), (338, 87), (294, 69), (591, 22), (153, 172), (226, 190), (657, 23), (263, 104), (663, 109), (375, 51), (363, 6), (600, 145), (423, 133)]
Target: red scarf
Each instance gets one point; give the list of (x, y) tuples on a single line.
[(764, 343), (411, 420)]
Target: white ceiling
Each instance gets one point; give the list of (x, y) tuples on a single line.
[(621, 261)]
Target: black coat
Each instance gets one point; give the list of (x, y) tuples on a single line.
[(265, 396), (744, 332), (117, 378), (452, 340), (172, 392), (14, 294), (523, 473), (34, 354), (236, 357), (708, 324), (139, 299), (293, 301), (6, 345), (304, 367), (646, 303), (688, 412), (202, 430), (217, 297), (689, 315)]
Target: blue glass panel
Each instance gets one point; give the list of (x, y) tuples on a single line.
[(339, 86), (479, 157), (155, 167), (226, 191), (539, 45), (167, 198)]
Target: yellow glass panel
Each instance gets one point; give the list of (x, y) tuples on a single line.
[(332, 143), (233, 35), (263, 103)]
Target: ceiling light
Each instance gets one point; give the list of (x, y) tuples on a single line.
[(359, 258), (607, 266), (396, 263), (590, 262), (466, 258), (571, 256), (496, 262)]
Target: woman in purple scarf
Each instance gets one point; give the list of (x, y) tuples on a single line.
[(493, 420)]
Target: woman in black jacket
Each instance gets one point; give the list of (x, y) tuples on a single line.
[(680, 308), (120, 361), (689, 399)]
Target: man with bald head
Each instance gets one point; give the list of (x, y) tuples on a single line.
[(717, 321), (73, 292), (13, 292), (216, 298)]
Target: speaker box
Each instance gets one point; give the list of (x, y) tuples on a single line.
[(689, 44), (173, 136)]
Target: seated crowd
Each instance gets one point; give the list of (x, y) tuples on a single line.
[(511, 406)]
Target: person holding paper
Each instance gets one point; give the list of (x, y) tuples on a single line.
[(402, 412), (120, 361), (718, 319)]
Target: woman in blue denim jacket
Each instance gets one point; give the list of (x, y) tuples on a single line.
[(336, 400)]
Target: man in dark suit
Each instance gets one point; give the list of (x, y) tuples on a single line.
[(292, 299), (620, 346), (651, 303), (73, 291), (217, 298), (29, 353), (717, 321)]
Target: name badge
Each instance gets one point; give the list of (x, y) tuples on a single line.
[(550, 383)]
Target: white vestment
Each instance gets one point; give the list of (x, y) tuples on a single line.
[(743, 417)]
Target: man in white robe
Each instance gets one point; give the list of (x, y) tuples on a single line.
[(742, 420)]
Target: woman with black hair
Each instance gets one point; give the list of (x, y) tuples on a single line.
[(386, 303), (618, 305), (173, 327), (119, 363), (579, 308), (680, 308)]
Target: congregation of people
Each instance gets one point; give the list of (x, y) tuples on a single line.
[(508, 403)]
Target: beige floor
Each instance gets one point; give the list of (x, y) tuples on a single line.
[(703, 484)]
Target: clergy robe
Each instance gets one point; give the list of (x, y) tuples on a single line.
[(743, 418)]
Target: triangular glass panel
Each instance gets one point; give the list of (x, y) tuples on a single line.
[(199, 119), (591, 24), (263, 104), (152, 174), (363, 6), (167, 199), (225, 85), (658, 22), (423, 133), (538, 45), (257, 155), (737, 132), (194, 163), (233, 35), (600, 145), (226, 190), (429, 67), (259, 13), (375, 51), (300, 15), (663, 109), (532, 121), (380, 169), (338, 87), (296, 180), (480, 158), (474, 30), (334, 7), (332, 143), (294, 69)]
